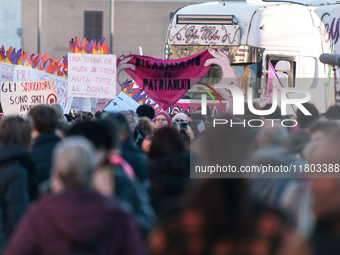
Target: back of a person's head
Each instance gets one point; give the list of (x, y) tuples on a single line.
[(145, 111), (63, 128), (272, 135), (275, 115), (45, 119), (297, 141), (15, 131), (119, 119), (323, 125), (131, 118), (225, 144), (70, 118), (166, 142), (306, 120), (82, 117), (145, 124), (59, 110), (103, 134), (333, 112), (74, 162), (122, 125)]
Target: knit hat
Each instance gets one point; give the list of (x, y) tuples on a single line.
[(180, 116), (145, 110), (166, 115)]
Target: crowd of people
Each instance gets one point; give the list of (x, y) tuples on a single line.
[(119, 183)]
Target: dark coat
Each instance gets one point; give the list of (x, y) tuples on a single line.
[(16, 185), (42, 154), (76, 222), (137, 159), (134, 196), (169, 177)]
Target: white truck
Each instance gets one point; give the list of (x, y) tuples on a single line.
[(290, 34)]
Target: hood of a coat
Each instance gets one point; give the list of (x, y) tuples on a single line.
[(14, 152)]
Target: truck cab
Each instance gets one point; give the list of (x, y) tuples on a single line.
[(290, 35)]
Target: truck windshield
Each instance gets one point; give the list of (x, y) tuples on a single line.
[(247, 74)]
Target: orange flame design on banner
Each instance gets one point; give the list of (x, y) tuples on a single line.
[(57, 67), (89, 47)]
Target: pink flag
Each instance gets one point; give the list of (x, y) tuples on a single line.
[(270, 86), (166, 81)]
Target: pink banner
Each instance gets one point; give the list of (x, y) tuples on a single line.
[(166, 81)]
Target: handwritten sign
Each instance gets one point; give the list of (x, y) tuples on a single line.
[(6, 72), (17, 98), (102, 103), (81, 104), (121, 103), (23, 73), (204, 34), (92, 75)]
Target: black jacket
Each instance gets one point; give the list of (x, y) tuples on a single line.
[(42, 154), (169, 177), (17, 185), (135, 199), (137, 159)]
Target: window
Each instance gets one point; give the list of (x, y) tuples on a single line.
[(291, 59), (93, 25)]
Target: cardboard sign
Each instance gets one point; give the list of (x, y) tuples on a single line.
[(102, 103), (92, 75), (81, 104), (17, 98), (121, 103), (6, 72), (23, 73)]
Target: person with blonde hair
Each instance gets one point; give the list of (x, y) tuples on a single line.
[(76, 219)]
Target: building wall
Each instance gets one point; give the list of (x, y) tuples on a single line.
[(136, 23), (10, 23)]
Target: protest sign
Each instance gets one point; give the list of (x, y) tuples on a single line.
[(102, 103), (121, 103), (17, 98), (81, 104), (92, 75), (6, 72), (166, 81), (23, 73)]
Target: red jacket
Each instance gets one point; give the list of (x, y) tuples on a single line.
[(76, 221)]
